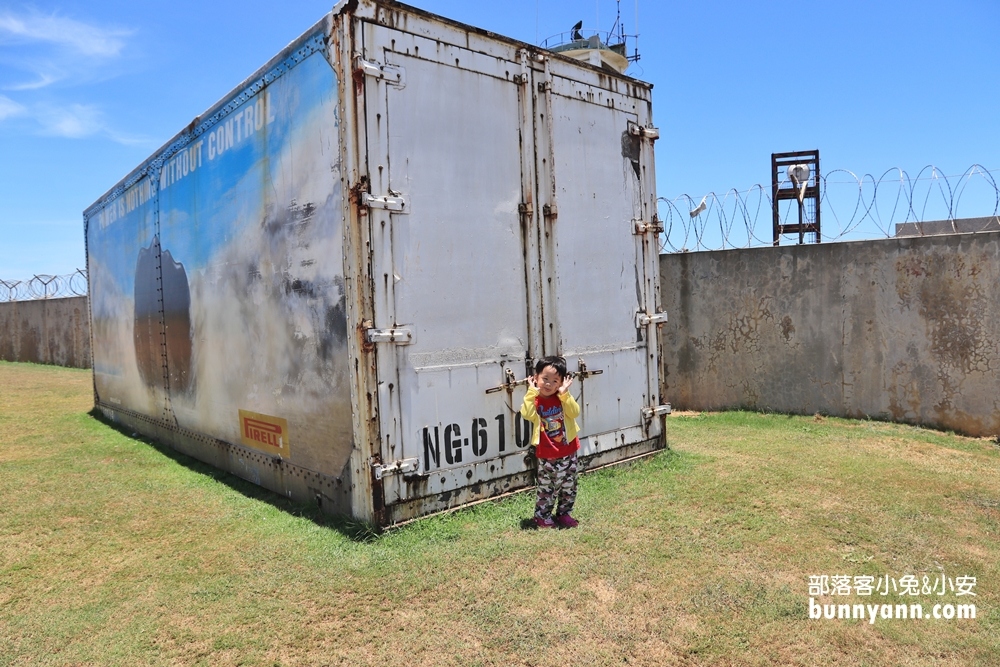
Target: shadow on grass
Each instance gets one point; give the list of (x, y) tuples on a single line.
[(357, 531)]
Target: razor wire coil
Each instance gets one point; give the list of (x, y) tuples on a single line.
[(853, 208), (863, 207), (44, 286)]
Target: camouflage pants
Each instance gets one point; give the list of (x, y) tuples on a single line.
[(556, 481)]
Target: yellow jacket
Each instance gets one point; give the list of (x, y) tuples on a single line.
[(571, 410)]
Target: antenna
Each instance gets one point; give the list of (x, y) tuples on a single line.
[(621, 36), (635, 57)]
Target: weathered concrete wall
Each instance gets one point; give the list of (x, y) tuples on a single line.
[(906, 329), (959, 226), (46, 331)]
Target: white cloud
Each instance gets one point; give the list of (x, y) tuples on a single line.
[(9, 107), (131, 139), (81, 121), (43, 80), (39, 51), (47, 48), (74, 121), (75, 36)]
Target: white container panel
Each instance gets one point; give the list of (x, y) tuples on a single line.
[(598, 262), (453, 271)]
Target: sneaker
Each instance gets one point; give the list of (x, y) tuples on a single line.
[(544, 522), (566, 521)]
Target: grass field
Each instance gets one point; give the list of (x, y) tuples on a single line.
[(116, 552)]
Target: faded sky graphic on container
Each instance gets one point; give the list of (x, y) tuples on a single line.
[(116, 233), (250, 210)]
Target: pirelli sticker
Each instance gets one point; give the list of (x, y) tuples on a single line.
[(264, 432)]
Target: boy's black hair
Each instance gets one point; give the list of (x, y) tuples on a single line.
[(558, 363)]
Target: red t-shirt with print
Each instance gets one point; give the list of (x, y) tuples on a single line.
[(552, 429)]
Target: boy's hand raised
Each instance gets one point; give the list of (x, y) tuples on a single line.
[(565, 385)]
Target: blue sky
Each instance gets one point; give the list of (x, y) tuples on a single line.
[(89, 89)]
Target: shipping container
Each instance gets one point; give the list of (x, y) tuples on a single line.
[(333, 282)]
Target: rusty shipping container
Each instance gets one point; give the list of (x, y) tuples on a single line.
[(333, 281)]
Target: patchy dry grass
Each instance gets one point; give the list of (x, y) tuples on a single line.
[(116, 552)]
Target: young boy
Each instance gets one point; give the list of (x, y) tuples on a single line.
[(549, 406)]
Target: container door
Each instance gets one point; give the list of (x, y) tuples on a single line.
[(600, 254), (448, 265)]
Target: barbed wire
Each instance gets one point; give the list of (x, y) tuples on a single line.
[(743, 219), (44, 286), (852, 208)]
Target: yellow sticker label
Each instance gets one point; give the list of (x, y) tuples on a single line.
[(264, 432)]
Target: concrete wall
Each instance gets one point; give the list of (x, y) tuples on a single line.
[(959, 226), (906, 329), (46, 331)]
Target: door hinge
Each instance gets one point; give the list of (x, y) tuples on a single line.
[(402, 466), (650, 133), (655, 411), (645, 319), (393, 75), (642, 227), (398, 336), (395, 202)]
